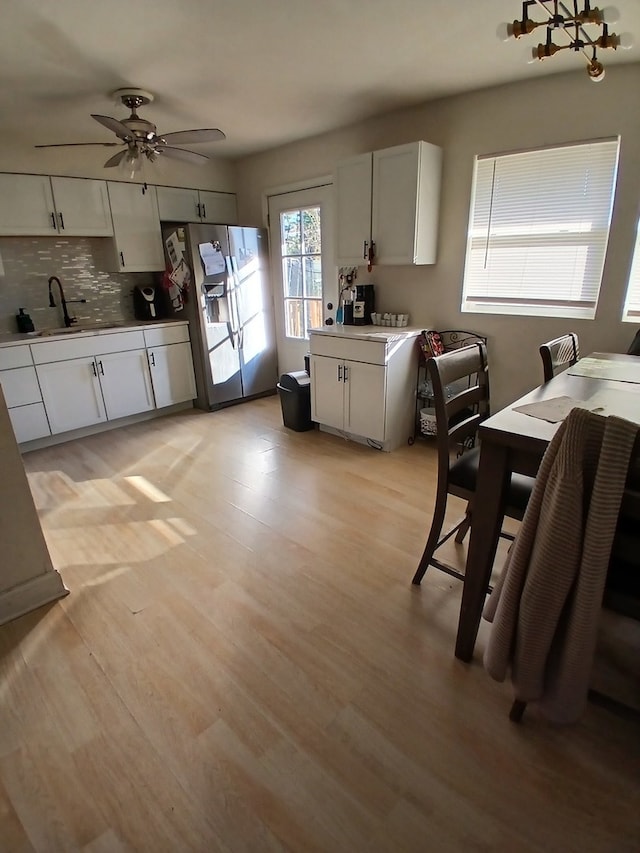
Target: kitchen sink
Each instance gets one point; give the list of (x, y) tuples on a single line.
[(47, 333)]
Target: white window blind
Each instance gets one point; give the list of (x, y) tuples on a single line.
[(538, 230), (632, 304)]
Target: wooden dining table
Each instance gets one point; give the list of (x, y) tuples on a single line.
[(511, 441)]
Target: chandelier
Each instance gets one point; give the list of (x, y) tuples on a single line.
[(575, 25)]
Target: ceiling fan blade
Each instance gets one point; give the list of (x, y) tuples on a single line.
[(187, 137), (113, 124), (181, 154), (72, 144), (116, 159)]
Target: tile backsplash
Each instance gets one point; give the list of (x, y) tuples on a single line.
[(26, 264)]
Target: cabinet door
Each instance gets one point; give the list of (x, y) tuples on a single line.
[(406, 197), (29, 422), (365, 399), (125, 382), (327, 391), (172, 374), (218, 207), (176, 204), (353, 197), (71, 394), (82, 207), (136, 228), (26, 205)]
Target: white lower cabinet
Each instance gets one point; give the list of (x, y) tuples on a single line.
[(349, 396), (171, 364), (57, 384), (71, 393), (85, 391), (88, 380), (364, 385), (22, 394)]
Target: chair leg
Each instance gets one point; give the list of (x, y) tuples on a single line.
[(464, 527), (432, 541), (517, 710)]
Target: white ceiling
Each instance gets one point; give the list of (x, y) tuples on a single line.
[(266, 72)]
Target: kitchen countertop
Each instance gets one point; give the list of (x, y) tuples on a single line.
[(14, 338), (369, 333)]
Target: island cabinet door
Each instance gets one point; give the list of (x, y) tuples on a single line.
[(365, 399), (327, 391), (71, 393)]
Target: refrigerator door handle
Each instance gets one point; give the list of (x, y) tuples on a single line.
[(232, 335)]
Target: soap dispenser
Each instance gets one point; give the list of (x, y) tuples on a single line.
[(24, 321)]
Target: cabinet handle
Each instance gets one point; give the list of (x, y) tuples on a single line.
[(339, 373), (53, 221), (364, 250), (199, 214), (61, 218), (204, 211), (152, 359), (93, 367), (346, 373), (122, 258), (101, 368)]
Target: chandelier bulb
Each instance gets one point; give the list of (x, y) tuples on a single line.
[(610, 15), (625, 41)]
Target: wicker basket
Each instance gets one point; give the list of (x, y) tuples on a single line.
[(428, 422)]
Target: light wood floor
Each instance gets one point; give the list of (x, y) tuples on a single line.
[(243, 664)]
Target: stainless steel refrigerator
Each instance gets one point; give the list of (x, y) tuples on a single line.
[(217, 278)]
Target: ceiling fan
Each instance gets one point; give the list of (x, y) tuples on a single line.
[(141, 139)]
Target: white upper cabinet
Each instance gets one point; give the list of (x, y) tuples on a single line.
[(176, 204), (136, 228), (40, 205), (186, 205), (82, 207), (218, 207), (353, 187), (388, 203)]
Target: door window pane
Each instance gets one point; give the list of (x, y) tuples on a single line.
[(301, 240), (293, 318)]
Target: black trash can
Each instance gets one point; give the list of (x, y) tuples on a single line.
[(294, 390)]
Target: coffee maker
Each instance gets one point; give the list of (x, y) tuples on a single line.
[(364, 304)]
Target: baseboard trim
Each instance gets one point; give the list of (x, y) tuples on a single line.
[(34, 593)]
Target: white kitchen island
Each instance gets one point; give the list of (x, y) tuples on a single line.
[(363, 383)]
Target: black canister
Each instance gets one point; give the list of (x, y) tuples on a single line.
[(24, 321)]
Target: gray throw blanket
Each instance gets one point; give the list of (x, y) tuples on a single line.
[(545, 608)]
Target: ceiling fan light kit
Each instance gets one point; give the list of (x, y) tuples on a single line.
[(141, 138), (572, 21)]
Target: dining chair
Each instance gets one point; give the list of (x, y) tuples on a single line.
[(458, 417), (559, 354)]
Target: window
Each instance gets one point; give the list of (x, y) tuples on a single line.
[(301, 270), (538, 230), (631, 311)]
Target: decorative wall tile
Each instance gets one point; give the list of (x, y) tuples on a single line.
[(80, 264)]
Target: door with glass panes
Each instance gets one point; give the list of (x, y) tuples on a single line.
[(303, 269)]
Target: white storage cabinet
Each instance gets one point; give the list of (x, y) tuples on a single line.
[(40, 205), (364, 388), (22, 393), (177, 204), (88, 380), (137, 240), (389, 200), (171, 364)]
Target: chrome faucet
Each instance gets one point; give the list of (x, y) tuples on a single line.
[(68, 321)]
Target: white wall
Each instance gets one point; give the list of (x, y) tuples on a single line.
[(550, 110), (217, 174)]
